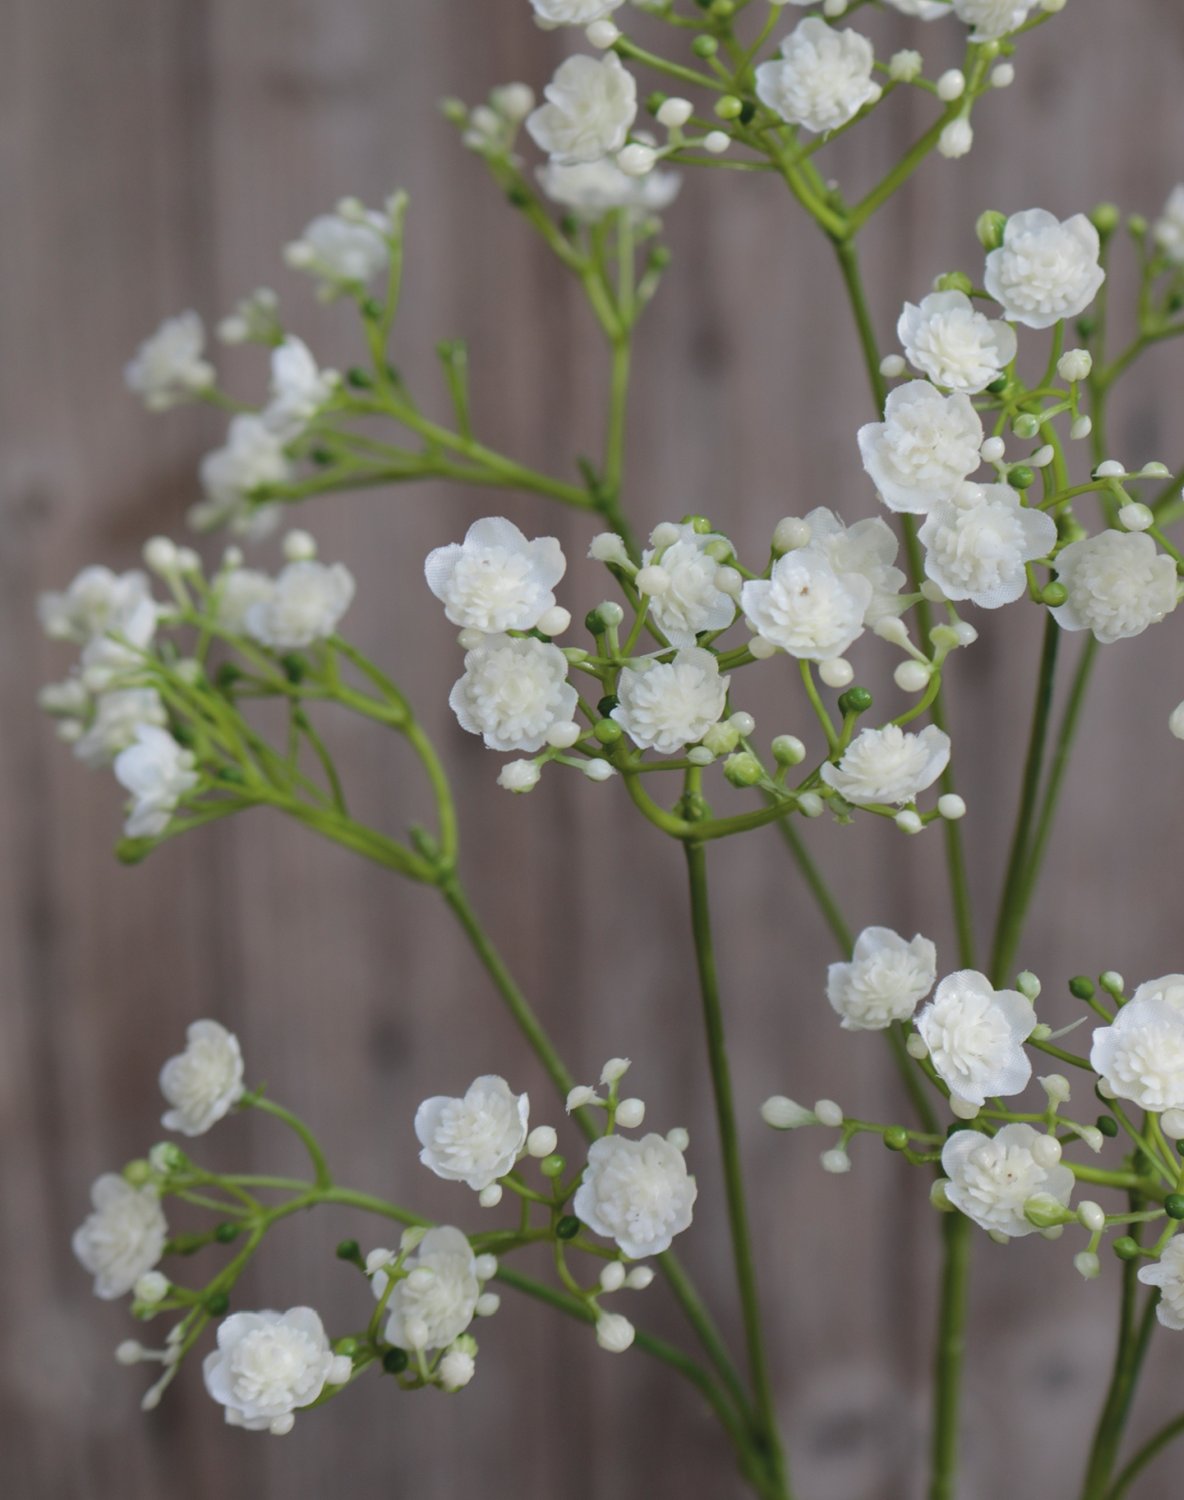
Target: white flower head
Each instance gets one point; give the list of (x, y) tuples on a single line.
[(591, 103), (691, 599), (158, 773), (123, 1238), (954, 345), (1141, 1055), (975, 1035), (252, 456), (475, 1139), (885, 981), (168, 367), (298, 388), (867, 548), (238, 591), (99, 602), (429, 1310), (1169, 227), (342, 251), (117, 716), (591, 189), (203, 1083), (268, 1365), (305, 604), (1045, 270), (637, 1192), (513, 692), (496, 580), (806, 607), (1168, 1275), (665, 705), (889, 765), (1119, 583), (924, 448), (572, 12), (990, 1178), (979, 540), (992, 19), (822, 79)]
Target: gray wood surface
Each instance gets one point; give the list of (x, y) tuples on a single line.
[(155, 154)]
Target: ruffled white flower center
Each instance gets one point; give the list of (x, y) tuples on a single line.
[(496, 580), (992, 18), (975, 1034), (889, 765), (435, 1302), (513, 692), (978, 542), (953, 344), (1045, 270), (271, 1368), (822, 79), (1141, 1056), (124, 1236), (475, 1139), (664, 706), (1119, 583), (592, 189), (637, 1192), (591, 103), (305, 604), (925, 447), (884, 982), (805, 607), (990, 1180), (205, 1081), (168, 367)]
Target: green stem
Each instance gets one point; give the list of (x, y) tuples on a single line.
[(1151, 1449), (947, 1374), (1132, 1349), (324, 1178)]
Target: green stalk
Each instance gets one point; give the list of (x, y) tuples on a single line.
[(951, 1342), (1132, 1349), (1151, 1449)]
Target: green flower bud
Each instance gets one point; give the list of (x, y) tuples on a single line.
[(1081, 987), (722, 10), (227, 1232), (552, 1166), (138, 1173), (1126, 1248), (743, 769), (394, 1361), (1137, 225), (655, 101), (700, 525), (294, 668), (721, 739), (728, 107), (1106, 218), (989, 228), (455, 111), (1045, 1211), (896, 1138), (1173, 1205), (358, 378), (606, 705), (1021, 477), (788, 750), (167, 1157), (1025, 425), (1086, 327), (856, 700), (322, 457), (705, 46), (999, 385), (568, 1227), (350, 1250), (955, 281), (1107, 1125), (216, 1304), (349, 1346), (608, 731)]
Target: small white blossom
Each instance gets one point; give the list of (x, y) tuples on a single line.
[(978, 541), (924, 448), (806, 607), (867, 548), (1045, 270), (298, 388), (954, 345), (475, 1139), (885, 981), (1168, 1274), (889, 765), (572, 12), (1169, 227), (168, 367), (305, 604), (158, 773), (991, 1178), (637, 1192), (822, 79), (591, 189), (519, 776), (456, 1368), (975, 1035), (268, 1365), (117, 716), (992, 19), (238, 592), (591, 103), (1141, 1056), (342, 251), (513, 692), (203, 1083), (1119, 583), (253, 456), (99, 602), (437, 1300), (123, 1238), (691, 599), (607, 547), (664, 706), (496, 580)]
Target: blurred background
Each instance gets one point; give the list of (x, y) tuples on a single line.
[(155, 155)]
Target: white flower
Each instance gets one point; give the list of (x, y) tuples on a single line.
[(99, 602), (158, 773), (476, 1139), (806, 607), (1045, 270), (298, 388), (992, 18), (519, 776), (822, 79), (1168, 1274), (513, 692), (456, 1368), (1119, 583), (868, 548), (925, 10), (116, 718), (991, 1178), (955, 346), (268, 1364), (496, 580), (924, 448), (690, 600), (637, 1192), (591, 189), (123, 1238), (1141, 1056), (342, 251), (168, 368), (204, 1082), (975, 1035), (237, 592), (885, 981), (305, 604), (889, 765), (573, 12), (591, 103), (1169, 227), (664, 706), (435, 1302), (978, 541), (252, 456)]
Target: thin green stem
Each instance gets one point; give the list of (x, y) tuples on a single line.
[(1150, 1450), (951, 1341), (1133, 1340), (320, 1166)]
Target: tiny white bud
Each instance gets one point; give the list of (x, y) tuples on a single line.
[(456, 1369), (1086, 1262), (1056, 1087), (598, 770), (963, 1108), (554, 621), (491, 1196), (1092, 1137), (282, 1425), (1157, 470), (911, 676), (932, 592), (541, 1141), (783, 1114), (563, 736), (469, 640), (951, 85), (299, 546), (1091, 1216), (835, 1161), (832, 9), (1075, 365), (717, 142), (422, 1279), (160, 554), (614, 1333), (613, 1071), (729, 581), (608, 547), (636, 160), (743, 723), (581, 1095), (790, 534), (340, 1370), (836, 673), (916, 1046), (679, 1138), (909, 821), (1113, 981), (905, 65), (152, 1287), (519, 776), (893, 630), (939, 1198), (951, 807), (811, 805), (1028, 984), (828, 1113), (964, 633), (993, 450), (1043, 457), (630, 1113), (760, 649), (956, 139), (653, 580), (700, 755), (602, 34), (892, 366), (514, 101), (1110, 468), (664, 535), (1136, 517), (130, 1352), (1046, 1151), (1171, 1122), (612, 1278), (673, 113), (485, 1267), (487, 1304), (639, 1278), (1082, 427), (1002, 76)]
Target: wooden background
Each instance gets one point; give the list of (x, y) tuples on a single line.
[(155, 154)]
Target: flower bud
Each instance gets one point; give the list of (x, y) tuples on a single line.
[(1044, 1211), (951, 807), (1028, 984), (904, 66), (783, 1114), (836, 673), (1075, 365), (1046, 1151), (743, 770), (636, 160), (909, 821), (743, 723), (1136, 517), (1026, 425), (892, 366), (950, 86), (954, 281), (716, 142), (790, 534), (1091, 1216), (912, 676), (490, 1196), (602, 34), (788, 750), (721, 739), (1056, 1087), (828, 1113), (674, 113), (614, 1332), (989, 229), (1087, 1264), (456, 1368), (835, 1161), (630, 1113), (487, 1304), (612, 1278), (519, 776), (609, 548), (541, 1141), (939, 1197), (554, 621)]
